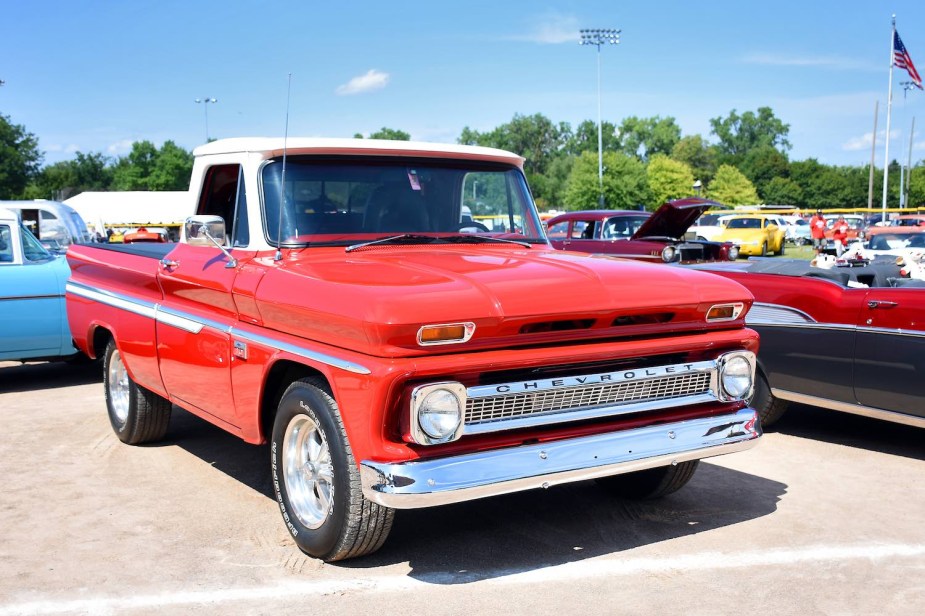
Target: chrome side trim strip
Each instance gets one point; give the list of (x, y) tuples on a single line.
[(892, 332), (845, 407), (133, 305), (25, 297), (762, 313), (323, 358), (193, 324), (440, 481)]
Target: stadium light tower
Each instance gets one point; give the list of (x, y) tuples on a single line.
[(205, 104), (599, 37)]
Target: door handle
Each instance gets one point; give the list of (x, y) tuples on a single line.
[(168, 263), (879, 303)]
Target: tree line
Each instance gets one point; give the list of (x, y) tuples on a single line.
[(646, 161)]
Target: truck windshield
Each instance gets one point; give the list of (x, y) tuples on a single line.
[(341, 201)]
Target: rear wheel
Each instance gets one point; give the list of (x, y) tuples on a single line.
[(650, 483), (136, 414), (769, 408), (780, 249), (764, 249), (317, 481)]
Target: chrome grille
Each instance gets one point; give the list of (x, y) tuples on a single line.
[(523, 404)]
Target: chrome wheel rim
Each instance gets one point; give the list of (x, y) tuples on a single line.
[(308, 471), (118, 387)]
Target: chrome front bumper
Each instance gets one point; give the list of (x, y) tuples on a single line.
[(426, 483)]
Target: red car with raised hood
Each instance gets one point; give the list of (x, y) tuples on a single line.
[(657, 237), (339, 300)]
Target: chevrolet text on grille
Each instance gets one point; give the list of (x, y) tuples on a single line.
[(572, 381)]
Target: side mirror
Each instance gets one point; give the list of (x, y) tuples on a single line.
[(204, 231), (208, 231)]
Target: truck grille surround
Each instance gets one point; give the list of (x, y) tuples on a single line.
[(508, 406)]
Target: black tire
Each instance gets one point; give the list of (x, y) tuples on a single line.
[(317, 480), (764, 249), (650, 483), (136, 414), (769, 408), (780, 250)]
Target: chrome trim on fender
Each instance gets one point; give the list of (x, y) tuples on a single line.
[(194, 324), (130, 304), (322, 358), (440, 481), (845, 407), (27, 297), (762, 313)]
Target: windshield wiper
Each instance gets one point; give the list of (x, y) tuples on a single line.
[(466, 238), (410, 238)]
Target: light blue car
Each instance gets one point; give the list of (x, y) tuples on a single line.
[(33, 321)]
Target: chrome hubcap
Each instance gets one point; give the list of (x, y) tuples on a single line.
[(118, 387), (308, 471)]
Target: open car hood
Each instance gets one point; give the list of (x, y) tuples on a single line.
[(674, 218)]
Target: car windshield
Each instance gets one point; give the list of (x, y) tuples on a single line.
[(744, 223), (895, 241), (622, 226), (340, 201), (32, 249)]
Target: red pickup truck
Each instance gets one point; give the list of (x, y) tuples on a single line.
[(401, 344)]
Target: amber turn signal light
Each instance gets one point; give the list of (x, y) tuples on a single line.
[(725, 312), (448, 333)]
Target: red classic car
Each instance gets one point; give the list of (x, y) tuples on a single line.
[(848, 338), (655, 237)]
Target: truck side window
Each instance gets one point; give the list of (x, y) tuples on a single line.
[(219, 193), (242, 236)]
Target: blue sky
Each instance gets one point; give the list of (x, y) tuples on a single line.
[(94, 76)]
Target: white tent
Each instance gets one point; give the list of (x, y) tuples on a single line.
[(133, 208)]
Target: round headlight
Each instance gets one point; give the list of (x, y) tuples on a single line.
[(669, 253), (737, 377), (439, 414), (733, 253)]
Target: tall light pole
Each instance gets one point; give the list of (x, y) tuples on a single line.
[(205, 105), (598, 37)]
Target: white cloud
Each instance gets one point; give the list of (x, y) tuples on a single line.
[(67, 149), (119, 147), (864, 141), (371, 81), (551, 29), (832, 62)]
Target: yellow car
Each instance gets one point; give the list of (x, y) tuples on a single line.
[(754, 235)]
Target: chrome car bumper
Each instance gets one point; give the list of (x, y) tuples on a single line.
[(426, 483)]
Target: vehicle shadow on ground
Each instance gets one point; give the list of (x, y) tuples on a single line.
[(495, 537), (36, 376), (527, 531), (852, 431)]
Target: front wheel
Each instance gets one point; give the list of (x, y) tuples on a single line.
[(769, 408), (136, 414), (650, 483), (317, 481)]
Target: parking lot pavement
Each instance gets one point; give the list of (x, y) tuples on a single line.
[(823, 517)]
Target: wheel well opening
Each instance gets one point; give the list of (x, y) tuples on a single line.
[(282, 374), (101, 337)]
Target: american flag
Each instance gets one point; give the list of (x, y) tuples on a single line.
[(902, 60)]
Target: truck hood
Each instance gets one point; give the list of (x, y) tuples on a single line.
[(674, 218), (376, 300)]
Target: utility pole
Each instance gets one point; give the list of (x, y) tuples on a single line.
[(598, 37)]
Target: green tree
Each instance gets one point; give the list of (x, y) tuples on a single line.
[(668, 179), (534, 137), (783, 191), (20, 158), (389, 133), (70, 177), (700, 156), (584, 139), (646, 137), (762, 164), (730, 187), (172, 168), (738, 134), (625, 185), (917, 186)]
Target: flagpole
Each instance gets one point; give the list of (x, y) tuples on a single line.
[(889, 109), (873, 154), (905, 188)]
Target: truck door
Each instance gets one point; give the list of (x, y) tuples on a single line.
[(890, 355), (194, 347)]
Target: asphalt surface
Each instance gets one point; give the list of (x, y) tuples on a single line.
[(823, 517)]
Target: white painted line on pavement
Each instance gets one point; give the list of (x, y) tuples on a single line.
[(584, 570)]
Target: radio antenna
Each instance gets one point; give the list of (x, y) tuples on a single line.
[(282, 187)]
